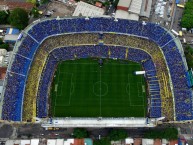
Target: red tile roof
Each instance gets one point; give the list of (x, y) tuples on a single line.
[(157, 142), (98, 4), (78, 142), (137, 141), (173, 142), (122, 8), (2, 72), (12, 5)]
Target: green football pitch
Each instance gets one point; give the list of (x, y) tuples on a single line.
[(81, 88)]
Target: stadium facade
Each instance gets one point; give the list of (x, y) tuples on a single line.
[(45, 42)]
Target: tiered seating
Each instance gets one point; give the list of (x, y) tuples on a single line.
[(177, 71), (27, 47), (154, 32), (12, 106), (164, 39), (20, 65), (44, 87), (155, 111), (154, 88), (97, 51), (137, 55), (117, 52), (45, 28)]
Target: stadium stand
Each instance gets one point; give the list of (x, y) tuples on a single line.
[(147, 43)]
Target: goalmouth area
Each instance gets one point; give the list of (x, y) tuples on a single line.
[(83, 88)]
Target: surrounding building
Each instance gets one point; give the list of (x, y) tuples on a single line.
[(133, 9), (10, 5), (11, 35), (86, 141), (85, 9)]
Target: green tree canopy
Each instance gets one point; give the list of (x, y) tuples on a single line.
[(189, 56), (187, 18), (35, 12), (1, 41), (103, 141), (80, 133), (167, 133), (19, 18), (4, 46), (118, 134), (4, 17), (115, 3)]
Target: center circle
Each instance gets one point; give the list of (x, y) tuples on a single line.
[(100, 88)]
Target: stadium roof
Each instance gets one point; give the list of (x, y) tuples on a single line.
[(86, 9), (96, 122)]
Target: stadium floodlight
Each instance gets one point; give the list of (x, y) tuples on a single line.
[(58, 18), (144, 23), (87, 18), (116, 20)]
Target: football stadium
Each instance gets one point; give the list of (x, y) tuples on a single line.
[(96, 71)]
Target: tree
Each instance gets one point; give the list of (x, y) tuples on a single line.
[(167, 133), (4, 17), (171, 133), (189, 56), (187, 21), (106, 3), (115, 3), (4, 45), (187, 18), (1, 41), (19, 18), (103, 141), (32, 1), (80, 133), (118, 134), (35, 12)]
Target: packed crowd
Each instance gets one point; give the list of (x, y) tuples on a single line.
[(13, 97), (155, 65), (103, 51), (182, 92)]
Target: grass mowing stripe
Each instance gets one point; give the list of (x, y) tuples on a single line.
[(100, 91)]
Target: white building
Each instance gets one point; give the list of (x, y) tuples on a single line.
[(86, 9), (133, 9)]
